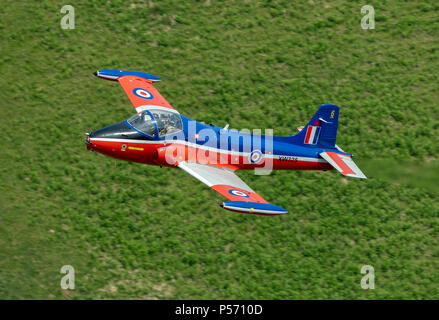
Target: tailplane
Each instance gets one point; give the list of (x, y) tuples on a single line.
[(343, 163)]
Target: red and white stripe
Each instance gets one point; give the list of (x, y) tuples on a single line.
[(344, 164), (311, 132)]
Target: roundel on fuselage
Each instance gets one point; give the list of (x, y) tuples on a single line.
[(255, 156)]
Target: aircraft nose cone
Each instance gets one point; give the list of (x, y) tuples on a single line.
[(87, 141), (101, 139)]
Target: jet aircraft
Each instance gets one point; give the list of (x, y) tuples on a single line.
[(157, 134)]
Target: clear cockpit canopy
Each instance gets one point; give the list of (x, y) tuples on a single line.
[(156, 122)]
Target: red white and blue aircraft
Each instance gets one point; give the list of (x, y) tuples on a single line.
[(159, 135)]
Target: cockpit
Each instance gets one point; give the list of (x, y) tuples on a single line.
[(156, 122)]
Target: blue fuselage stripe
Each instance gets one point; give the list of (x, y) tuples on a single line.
[(232, 140)]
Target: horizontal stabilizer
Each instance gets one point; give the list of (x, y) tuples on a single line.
[(253, 207), (344, 164)]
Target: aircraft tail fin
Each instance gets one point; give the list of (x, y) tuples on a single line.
[(321, 130)]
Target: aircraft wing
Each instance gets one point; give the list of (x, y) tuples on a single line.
[(228, 184), (138, 87)]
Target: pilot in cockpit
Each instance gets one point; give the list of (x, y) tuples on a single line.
[(167, 122)]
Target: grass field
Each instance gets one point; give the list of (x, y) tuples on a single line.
[(140, 232)]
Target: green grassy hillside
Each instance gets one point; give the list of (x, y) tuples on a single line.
[(135, 231)]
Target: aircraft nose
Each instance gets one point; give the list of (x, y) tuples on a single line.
[(87, 141), (90, 141), (99, 140), (93, 142), (117, 131)]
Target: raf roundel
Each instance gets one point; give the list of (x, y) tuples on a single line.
[(142, 93), (255, 156), (238, 193)]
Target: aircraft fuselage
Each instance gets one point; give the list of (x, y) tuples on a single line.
[(208, 144)]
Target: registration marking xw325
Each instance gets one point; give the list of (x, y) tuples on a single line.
[(287, 158)]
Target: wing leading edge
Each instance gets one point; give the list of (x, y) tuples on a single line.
[(228, 184)]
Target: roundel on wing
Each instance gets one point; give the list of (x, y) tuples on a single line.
[(238, 193), (255, 156), (142, 93)]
